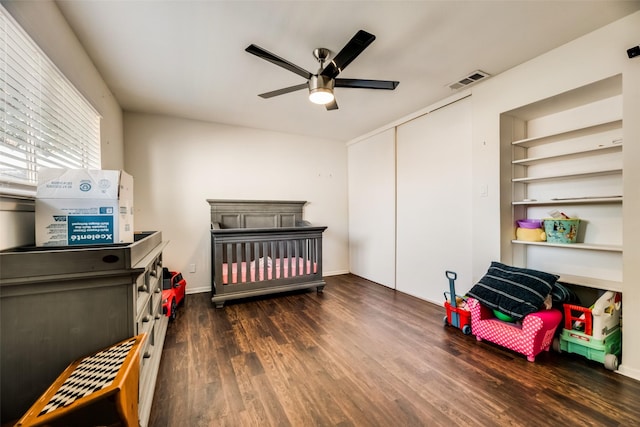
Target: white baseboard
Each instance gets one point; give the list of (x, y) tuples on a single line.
[(629, 372), (335, 273), (198, 289)]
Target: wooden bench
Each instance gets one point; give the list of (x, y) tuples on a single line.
[(101, 389)]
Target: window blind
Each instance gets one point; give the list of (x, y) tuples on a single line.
[(46, 122)]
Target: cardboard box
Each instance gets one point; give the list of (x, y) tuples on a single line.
[(83, 207)]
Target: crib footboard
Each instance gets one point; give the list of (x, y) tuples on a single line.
[(260, 261)]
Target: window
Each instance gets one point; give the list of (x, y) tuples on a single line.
[(45, 122)]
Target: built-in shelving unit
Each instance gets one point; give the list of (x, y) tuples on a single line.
[(565, 154)]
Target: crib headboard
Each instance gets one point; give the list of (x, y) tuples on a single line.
[(256, 213)]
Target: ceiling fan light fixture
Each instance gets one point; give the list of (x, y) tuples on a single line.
[(321, 84), (321, 96), (321, 90)]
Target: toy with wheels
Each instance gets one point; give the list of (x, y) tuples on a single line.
[(594, 332), (456, 316)]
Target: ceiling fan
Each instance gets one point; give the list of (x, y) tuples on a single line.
[(321, 85)]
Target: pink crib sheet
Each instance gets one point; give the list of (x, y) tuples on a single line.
[(273, 266)]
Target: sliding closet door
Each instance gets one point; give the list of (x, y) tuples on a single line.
[(371, 170), (434, 201)]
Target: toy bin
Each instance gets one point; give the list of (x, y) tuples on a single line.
[(561, 230), (595, 332)]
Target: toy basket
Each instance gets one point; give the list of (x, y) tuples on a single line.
[(561, 230)]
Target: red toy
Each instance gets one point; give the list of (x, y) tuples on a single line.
[(173, 292), (457, 316)]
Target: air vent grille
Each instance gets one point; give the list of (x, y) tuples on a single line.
[(472, 78)]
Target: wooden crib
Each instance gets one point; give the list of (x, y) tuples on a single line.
[(261, 247)]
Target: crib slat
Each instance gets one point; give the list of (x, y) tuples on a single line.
[(317, 254), (287, 256), (311, 257), (261, 258), (293, 258), (305, 256), (253, 262), (230, 268), (230, 255), (260, 261), (283, 256), (300, 260), (314, 256), (239, 262), (274, 259), (247, 262), (298, 257), (280, 250)]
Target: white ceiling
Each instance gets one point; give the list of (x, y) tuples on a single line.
[(186, 58)]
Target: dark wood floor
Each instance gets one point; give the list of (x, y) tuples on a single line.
[(361, 354)]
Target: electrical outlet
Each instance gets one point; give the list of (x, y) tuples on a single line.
[(192, 268)]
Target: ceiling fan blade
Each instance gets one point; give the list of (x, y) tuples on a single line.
[(349, 52), (367, 84), (284, 90), (333, 105), (275, 59)]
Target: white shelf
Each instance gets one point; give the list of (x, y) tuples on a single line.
[(568, 175), (579, 246), (591, 282), (534, 160), (570, 201), (572, 149), (532, 142)]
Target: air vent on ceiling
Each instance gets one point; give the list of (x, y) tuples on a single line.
[(472, 78)]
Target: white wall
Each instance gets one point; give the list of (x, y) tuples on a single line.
[(596, 56), (372, 208), (44, 23), (433, 191), (178, 164)]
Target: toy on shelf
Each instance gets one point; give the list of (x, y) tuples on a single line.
[(530, 230), (458, 315), (595, 332)]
